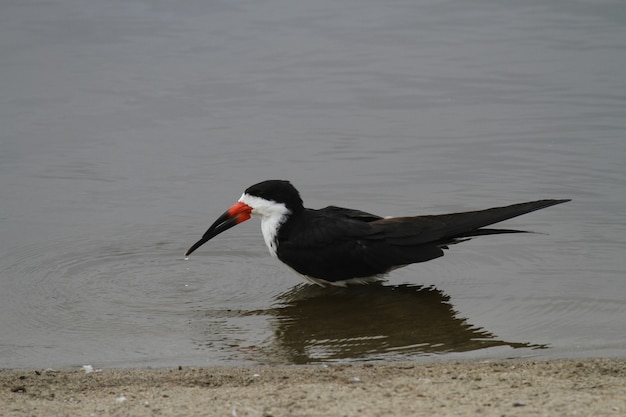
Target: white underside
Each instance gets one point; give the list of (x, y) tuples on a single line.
[(345, 283)]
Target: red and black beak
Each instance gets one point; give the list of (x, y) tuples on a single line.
[(238, 213)]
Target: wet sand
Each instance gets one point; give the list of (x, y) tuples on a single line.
[(592, 387)]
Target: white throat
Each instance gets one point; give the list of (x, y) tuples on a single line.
[(272, 214)]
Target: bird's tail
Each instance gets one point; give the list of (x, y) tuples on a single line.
[(469, 224)]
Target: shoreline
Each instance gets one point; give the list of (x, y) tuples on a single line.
[(562, 387)]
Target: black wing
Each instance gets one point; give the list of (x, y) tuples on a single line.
[(337, 244), (444, 228)]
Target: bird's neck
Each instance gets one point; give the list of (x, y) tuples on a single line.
[(270, 226)]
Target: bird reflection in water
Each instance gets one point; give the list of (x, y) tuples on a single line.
[(313, 324)]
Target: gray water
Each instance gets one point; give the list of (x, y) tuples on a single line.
[(127, 127)]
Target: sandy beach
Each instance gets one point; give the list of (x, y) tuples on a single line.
[(591, 387)]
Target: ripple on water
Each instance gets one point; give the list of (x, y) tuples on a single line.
[(80, 297), (115, 300)]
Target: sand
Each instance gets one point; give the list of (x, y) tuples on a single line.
[(591, 387)]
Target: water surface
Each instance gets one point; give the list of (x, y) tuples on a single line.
[(128, 127)]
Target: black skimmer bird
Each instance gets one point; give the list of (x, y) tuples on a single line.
[(339, 246)]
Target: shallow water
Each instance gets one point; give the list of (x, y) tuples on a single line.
[(128, 127)]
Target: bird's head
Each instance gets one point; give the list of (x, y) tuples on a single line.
[(271, 199)]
